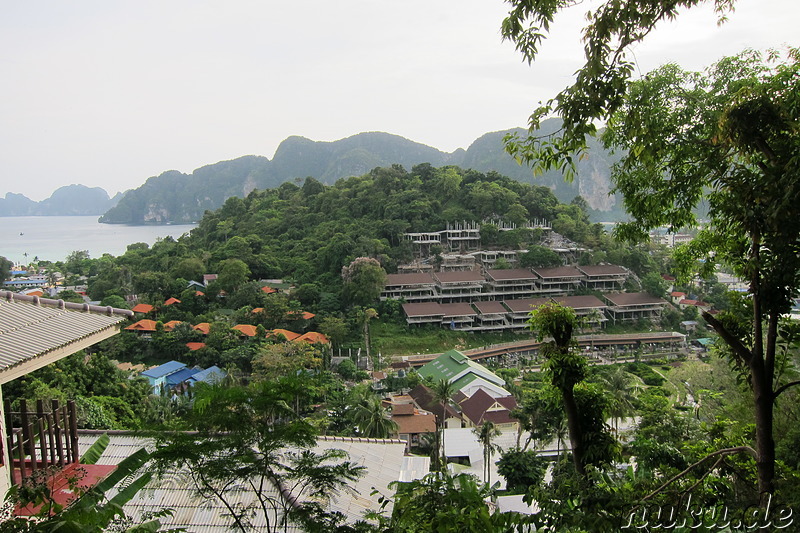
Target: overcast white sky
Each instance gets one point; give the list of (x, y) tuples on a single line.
[(110, 93)]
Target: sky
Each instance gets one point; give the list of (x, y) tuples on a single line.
[(107, 94)]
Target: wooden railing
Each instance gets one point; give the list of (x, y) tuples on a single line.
[(39, 439)]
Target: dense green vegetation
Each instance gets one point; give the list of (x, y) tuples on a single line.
[(308, 233)]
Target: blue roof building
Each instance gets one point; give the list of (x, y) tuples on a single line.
[(210, 375), (176, 378), (157, 377), (171, 375)]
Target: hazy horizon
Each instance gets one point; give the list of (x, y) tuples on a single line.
[(109, 94)]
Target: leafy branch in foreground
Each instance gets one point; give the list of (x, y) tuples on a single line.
[(600, 84)]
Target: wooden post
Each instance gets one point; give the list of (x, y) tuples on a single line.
[(40, 420), (27, 434), (51, 438), (57, 427), (21, 455), (73, 430), (10, 431)]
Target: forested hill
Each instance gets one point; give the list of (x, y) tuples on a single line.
[(174, 197), (308, 232)]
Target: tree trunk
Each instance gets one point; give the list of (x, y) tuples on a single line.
[(765, 442), (574, 425)]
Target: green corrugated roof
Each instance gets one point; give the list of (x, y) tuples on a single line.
[(463, 381), (452, 363), (445, 367)]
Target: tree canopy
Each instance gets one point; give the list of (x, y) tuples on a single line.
[(730, 136), (600, 84)]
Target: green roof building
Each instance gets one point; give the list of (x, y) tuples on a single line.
[(465, 374)]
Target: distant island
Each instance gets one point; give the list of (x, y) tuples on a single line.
[(177, 198), (71, 200)]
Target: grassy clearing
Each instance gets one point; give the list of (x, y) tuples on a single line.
[(391, 339)]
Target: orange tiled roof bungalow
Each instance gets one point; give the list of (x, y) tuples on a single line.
[(202, 327), (245, 330), (143, 326), (142, 308), (194, 346), (172, 301), (313, 337), (169, 326), (290, 335), (268, 290)]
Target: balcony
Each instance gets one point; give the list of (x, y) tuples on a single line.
[(43, 450)]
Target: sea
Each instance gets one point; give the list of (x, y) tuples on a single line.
[(53, 238)]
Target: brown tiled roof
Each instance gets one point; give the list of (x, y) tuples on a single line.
[(580, 302), (423, 309), (402, 409), (458, 277), (510, 274), (677, 293), (633, 298), (458, 309), (130, 366), (459, 397), (142, 308), (602, 270), (476, 405), (409, 279), (423, 397), (487, 308), (498, 417), (558, 272), (523, 305), (415, 423), (195, 345)]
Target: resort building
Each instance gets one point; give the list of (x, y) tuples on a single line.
[(603, 277), (630, 306)]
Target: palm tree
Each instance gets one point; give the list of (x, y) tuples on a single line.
[(486, 433), (372, 419), (622, 388), (366, 316), (442, 391)]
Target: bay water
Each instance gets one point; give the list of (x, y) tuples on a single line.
[(54, 238)]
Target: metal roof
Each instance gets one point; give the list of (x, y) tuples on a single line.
[(409, 279), (509, 274), (33, 327), (383, 458), (163, 370), (633, 298)]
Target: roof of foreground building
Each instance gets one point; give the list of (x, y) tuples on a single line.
[(383, 458), (35, 332)]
